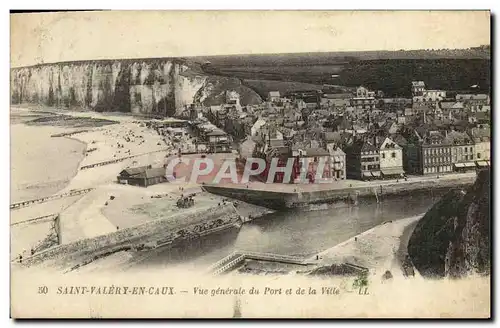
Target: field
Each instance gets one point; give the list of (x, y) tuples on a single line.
[(262, 87), (391, 72)]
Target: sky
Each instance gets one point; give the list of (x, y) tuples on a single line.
[(53, 37)]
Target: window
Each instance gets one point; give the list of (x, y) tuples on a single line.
[(364, 167), (383, 155), (393, 154), (478, 155), (471, 149), (465, 149)]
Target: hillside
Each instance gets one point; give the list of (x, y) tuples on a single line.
[(453, 238)]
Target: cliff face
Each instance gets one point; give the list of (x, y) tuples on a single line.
[(158, 86), (453, 238)]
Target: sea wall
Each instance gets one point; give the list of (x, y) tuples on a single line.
[(283, 200), (148, 86), (142, 233)]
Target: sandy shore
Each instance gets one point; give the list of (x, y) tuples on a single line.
[(378, 249), (94, 214)]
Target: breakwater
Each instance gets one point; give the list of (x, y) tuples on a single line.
[(153, 232), (292, 196), (49, 198)]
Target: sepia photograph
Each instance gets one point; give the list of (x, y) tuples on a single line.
[(250, 164)]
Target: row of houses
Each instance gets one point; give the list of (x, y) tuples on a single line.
[(429, 150), (209, 137), (421, 151)]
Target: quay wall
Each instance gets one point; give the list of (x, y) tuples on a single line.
[(126, 237), (285, 200)]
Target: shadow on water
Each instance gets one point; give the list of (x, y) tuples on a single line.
[(294, 232), (189, 250)]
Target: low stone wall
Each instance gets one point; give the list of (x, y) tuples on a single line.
[(283, 200), (126, 236), (381, 191)]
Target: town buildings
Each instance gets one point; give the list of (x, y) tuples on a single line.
[(364, 99), (417, 88), (212, 138), (391, 159), (429, 152), (481, 140), (363, 159), (337, 162), (273, 96), (359, 133)]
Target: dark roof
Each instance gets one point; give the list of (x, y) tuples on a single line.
[(457, 138), (337, 95), (216, 133), (472, 97), (282, 150), (332, 136), (276, 143), (152, 173), (134, 170), (310, 100), (316, 152), (482, 116), (368, 146), (399, 139), (479, 135), (363, 144)]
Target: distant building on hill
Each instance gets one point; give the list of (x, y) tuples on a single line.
[(273, 96)]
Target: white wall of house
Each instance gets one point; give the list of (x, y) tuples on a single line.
[(217, 138), (337, 162), (255, 130), (391, 154), (482, 152), (463, 153)]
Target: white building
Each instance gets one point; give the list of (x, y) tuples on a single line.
[(417, 88), (257, 127), (273, 96), (430, 96), (232, 98), (481, 139), (391, 159), (337, 162), (362, 92)]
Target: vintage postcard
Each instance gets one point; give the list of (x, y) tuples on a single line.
[(250, 164)]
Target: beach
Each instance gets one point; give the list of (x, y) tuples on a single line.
[(37, 170), (379, 249), (62, 145)]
